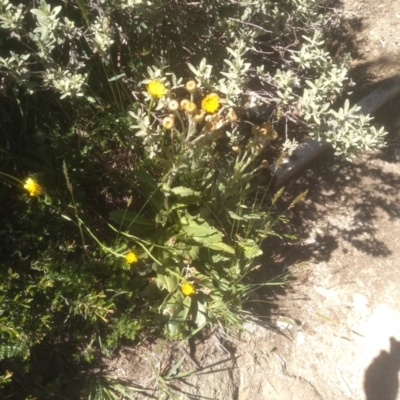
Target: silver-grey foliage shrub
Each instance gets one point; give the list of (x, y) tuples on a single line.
[(58, 43)]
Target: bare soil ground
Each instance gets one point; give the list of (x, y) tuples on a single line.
[(336, 334)]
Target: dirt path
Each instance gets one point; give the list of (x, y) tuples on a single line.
[(339, 321)]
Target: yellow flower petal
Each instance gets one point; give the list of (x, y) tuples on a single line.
[(33, 187), (187, 289), (131, 258), (156, 89), (210, 103)]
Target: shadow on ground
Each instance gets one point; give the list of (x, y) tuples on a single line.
[(381, 377), (361, 190)]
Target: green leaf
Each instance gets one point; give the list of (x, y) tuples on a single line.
[(235, 216), (38, 12), (168, 282), (222, 247), (184, 191), (200, 230), (116, 77), (193, 252), (181, 306), (175, 367), (250, 248), (201, 317), (162, 217), (134, 223)]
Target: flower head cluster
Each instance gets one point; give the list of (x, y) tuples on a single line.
[(156, 89), (210, 103), (33, 187), (187, 289), (131, 257)]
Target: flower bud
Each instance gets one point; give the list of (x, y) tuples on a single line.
[(267, 126), (173, 105), (207, 290), (236, 149), (191, 86), (199, 116), (184, 103), (168, 123), (191, 108)]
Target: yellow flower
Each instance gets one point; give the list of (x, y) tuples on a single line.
[(187, 289), (191, 108), (173, 105), (33, 187), (210, 103), (168, 122), (156, 89), (191, 86), (131, 257)]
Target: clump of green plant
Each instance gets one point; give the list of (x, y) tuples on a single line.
[(200, 229)]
